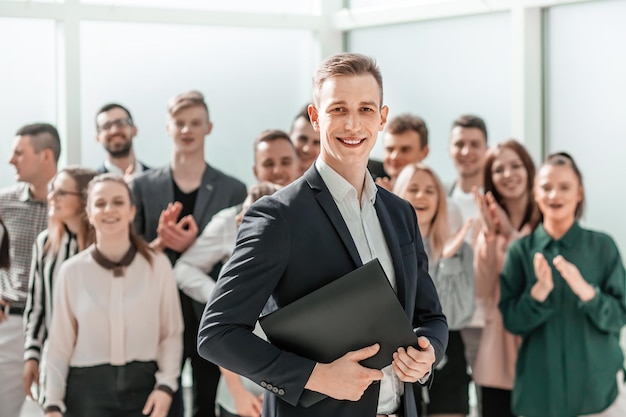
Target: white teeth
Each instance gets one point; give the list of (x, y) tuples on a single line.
[(351, 142)]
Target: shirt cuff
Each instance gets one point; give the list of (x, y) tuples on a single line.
[(166, 390)]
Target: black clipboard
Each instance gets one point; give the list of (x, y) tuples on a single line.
[(353, 311)]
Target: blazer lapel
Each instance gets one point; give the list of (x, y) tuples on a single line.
[(205, 193), (165, 187), (325, 199), (394, 248)]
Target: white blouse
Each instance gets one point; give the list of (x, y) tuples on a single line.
[(99, 319)]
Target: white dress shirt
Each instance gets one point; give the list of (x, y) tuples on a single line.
[(367, 234), (215, 244)]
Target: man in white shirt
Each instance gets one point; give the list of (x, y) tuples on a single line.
[(468, 148), (322, 226)]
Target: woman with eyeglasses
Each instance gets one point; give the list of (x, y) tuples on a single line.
[(68, 233), (115, 342)]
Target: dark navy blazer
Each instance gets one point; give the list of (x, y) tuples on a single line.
[(290, 244)]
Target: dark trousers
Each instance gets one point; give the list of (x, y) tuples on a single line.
[(496, 402), (224, 413), (109, 391), (206, 375)]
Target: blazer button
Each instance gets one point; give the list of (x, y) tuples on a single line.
[(275, 390), (281, 392), (263, 384), (269, 386)]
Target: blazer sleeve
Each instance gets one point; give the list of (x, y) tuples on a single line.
[(245, 285)]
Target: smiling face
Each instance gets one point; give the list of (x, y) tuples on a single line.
[(307, 142), (558, 192), (423, 194), (348, 117), (110, 209), (64, 200), (188, 127), (115, 132), (402, 149), (276, 162), (509, 175), (468, 147)]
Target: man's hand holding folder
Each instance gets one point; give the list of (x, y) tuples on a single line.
[(346, 379)]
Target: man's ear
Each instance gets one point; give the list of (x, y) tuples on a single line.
[(314, 116), (209, 128), (133, 131), (384, 112)]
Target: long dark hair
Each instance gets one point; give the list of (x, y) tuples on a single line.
[(5, 260), (531, 213)]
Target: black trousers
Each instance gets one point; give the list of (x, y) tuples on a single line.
[(496, 402), (109, 391), (206, 375)]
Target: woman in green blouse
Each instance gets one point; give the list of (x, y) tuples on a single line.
[(563, 291)]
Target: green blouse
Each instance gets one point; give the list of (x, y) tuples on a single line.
[(570, 353)]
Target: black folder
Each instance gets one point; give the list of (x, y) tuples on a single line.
[(351, 312)]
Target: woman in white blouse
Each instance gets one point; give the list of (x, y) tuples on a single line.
[(115, 343), (68, 233)]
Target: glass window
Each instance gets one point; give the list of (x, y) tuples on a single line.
[(27, 81), (586, 106), (253, 79), (268, 6), (441, 69)]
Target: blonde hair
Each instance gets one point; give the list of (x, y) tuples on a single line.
[(137, 241), (439, 231), (56, 229), (346, 64), (192, 98)]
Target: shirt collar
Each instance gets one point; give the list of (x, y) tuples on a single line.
[(340, 188), (25, 195), (571, 237), (110, 167)]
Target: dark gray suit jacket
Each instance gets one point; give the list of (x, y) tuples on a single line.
[(290, 244), (154, 189)]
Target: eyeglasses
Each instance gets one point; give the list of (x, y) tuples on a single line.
[(119, 123), (61, 192)]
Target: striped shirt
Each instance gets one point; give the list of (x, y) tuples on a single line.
[(44, 271), (24, 218)]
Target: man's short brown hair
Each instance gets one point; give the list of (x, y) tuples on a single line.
[(408, 122), (471, 121), (192, 98), (346, 64)]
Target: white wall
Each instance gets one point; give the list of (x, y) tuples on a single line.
[(441, 69), (252, 79), (586, 114), (27, 82)]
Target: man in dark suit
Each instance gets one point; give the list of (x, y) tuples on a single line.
[(115, 130), (173, 203), (322, 226)]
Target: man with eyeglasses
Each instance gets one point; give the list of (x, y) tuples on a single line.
[(23, 209), (115, 132)]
